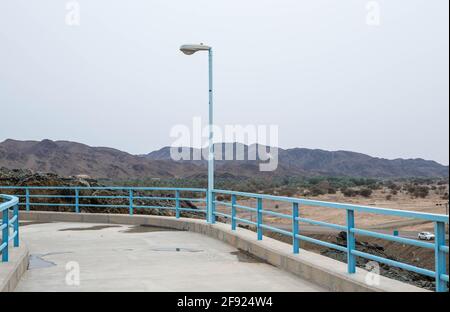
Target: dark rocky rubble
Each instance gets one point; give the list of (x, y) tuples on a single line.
[(19, 177), (385, 270)]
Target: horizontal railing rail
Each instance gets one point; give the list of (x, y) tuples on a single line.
[(358, 208), (9, 225), (79, 199), (440, 221)]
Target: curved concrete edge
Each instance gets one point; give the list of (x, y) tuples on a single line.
[(11, 272), (320, 270)]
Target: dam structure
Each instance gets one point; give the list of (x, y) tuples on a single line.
[(182, 239)]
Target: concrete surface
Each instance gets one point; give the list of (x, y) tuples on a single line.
[(136, 258), (319, 270), (12, 271)]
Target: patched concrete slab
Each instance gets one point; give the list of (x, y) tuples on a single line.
[(125, 258)]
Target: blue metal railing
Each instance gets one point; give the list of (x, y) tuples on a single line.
[(9, 225), (439, 246), (133, 198)]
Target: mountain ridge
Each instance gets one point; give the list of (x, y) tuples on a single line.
[(68, 158)]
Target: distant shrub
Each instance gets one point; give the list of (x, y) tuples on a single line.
[(389, 197), (316, 191), (393, 187), (375, 186), (441, 190), (288, 192), (365, 192), (418, 190), (422, 191), (349, 192)]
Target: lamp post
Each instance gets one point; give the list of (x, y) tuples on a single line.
[(190, 49)]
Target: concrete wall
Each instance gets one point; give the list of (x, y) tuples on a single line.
[(318, 269), (12, 271)]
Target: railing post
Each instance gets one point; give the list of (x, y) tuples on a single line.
[(177, 204), (295, 230), (259, 218), (77, 200), (213, 208), (5, 234), (440, 257), (131, 201), (207, 207), (27, 199), (233, 212), (351, 259), (16, 225)]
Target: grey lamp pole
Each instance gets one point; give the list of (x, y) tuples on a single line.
[(190, 49)]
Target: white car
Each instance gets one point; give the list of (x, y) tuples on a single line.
[(426, 236)]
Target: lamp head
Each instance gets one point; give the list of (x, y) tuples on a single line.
[(190, 49)]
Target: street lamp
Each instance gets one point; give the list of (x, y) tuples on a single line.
[(190, 49)]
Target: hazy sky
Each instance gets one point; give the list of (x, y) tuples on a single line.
[(313, 67)]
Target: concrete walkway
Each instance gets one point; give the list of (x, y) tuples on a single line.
[(137, 258)]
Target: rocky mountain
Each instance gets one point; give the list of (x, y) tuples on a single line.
[(71, 159), (302, 161)]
